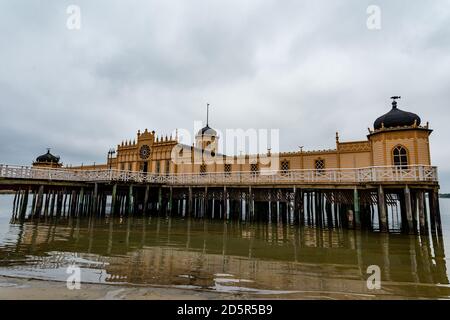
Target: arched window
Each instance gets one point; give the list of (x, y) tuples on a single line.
[(400, 156)]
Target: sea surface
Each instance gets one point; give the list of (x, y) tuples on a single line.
[(264, 259)]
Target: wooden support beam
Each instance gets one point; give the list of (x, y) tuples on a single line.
[(435, 214), (73, 201), (131, 200), (225, 203), (170, 200), (52, 203), (382, 210), (39, 201), (357, 208), (59, 203), (190, 204), (408, 208), (16, 197), (33, 204), (421, 202), (114, 200), (251, 204), (94, 206), (23, 209), (81, 202), (205, 203), (147, 192)]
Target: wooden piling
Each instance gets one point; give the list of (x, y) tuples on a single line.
[(408, 209), (357, 208), (382, 210), (59, 203), (435, 215), (420, 199), (147, 191), (225, 203), (39, 201), (131, 200), (23, 209), (52, 203)]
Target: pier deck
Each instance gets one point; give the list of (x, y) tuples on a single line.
[(350, 198)]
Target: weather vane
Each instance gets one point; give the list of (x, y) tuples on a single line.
[(394, 101)]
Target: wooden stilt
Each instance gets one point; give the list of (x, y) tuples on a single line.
[(382, 210), (39, 201), (23, 209), (131, 200), (225, 203), (420, 199), (114, 200), (52, 203), (147, 191), (356, 208), (408, 208), (435, 215)]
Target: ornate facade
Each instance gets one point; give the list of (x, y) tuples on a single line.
[(397, 138)]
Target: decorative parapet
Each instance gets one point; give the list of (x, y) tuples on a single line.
[(356, 146)]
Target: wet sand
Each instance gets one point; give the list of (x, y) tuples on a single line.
[(14, 288), (33, 289)]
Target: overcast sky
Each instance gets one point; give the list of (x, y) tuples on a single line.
[(308, 68)]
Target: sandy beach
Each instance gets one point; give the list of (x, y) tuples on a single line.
[(32, 289)]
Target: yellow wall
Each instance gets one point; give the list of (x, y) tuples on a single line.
[(376, 150)]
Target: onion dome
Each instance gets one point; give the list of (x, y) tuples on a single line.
[(396, 118), (207, 130), (48, 157)]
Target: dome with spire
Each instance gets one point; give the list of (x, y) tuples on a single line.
[(47, 158), (207, 130), (396, 118)]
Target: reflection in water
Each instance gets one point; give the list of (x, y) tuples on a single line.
[(226, 256)]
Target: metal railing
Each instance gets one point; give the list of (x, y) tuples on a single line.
[(415, 173)]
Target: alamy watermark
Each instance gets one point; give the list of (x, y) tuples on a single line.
[(74, 17), (234, 146), (374, 280), (373, 21), (73, 281)]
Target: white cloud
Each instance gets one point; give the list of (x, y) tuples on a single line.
[(304, 67)]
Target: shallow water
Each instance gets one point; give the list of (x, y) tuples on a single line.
[(258, 258)]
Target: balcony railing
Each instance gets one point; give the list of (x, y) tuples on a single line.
[(416, 173)]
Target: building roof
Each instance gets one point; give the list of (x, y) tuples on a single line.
[(48, 157), (396, 118), (207, 130)]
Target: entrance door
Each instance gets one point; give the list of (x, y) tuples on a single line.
[(145, 167)]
